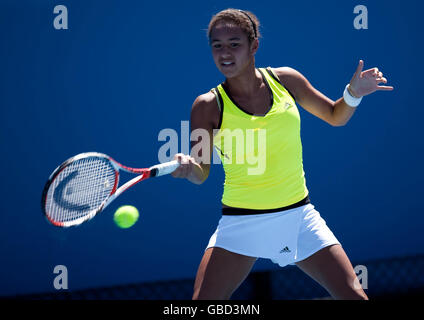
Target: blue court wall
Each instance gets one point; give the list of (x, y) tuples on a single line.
[(125, 70)]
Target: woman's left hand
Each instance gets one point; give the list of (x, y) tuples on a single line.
[(366, 82)]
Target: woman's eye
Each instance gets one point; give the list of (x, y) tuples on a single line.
[(219, 46)]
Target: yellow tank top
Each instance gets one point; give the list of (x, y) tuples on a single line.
[(261, 154)]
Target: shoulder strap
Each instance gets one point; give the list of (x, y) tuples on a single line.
[(276, 78), (273, 74), (220, 105), (218, 97)]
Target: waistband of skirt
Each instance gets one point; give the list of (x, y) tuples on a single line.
[(242, 211)]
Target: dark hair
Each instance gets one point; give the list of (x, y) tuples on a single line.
[(246, 20)]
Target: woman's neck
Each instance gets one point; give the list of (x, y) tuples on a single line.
[(246, 84)]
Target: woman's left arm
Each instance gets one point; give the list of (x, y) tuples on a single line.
[(336, 113)]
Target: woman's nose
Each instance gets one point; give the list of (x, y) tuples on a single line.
[(225, 53)]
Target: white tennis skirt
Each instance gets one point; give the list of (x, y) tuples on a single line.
[(285, 237)]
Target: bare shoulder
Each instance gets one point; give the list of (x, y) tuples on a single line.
[(206, 99), (205, 110), (292, 80), (289, 75), (287, 72)]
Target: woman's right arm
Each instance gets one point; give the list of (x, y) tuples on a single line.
[(203, 119)]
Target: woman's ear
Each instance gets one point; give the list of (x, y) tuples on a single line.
[(254, 46)]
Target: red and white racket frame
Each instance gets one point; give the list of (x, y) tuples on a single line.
[(143, 174)]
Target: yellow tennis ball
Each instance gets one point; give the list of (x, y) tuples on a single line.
[(126, 216)]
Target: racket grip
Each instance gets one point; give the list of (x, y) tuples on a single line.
[(164, 168)]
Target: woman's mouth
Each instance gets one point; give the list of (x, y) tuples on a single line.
[(227, 64)]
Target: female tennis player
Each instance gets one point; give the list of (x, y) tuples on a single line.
[(266, 213)]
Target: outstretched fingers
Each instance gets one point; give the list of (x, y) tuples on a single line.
[(385, 88), (358, 71)]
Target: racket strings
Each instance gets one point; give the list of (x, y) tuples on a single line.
[(80, 189)]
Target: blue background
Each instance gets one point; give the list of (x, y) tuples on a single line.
[(124, 70)]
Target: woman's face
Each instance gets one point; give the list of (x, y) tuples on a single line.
[(231, 50)]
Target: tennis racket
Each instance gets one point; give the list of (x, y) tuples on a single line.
[(86, 184)]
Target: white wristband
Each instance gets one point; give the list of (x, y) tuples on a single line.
[(350, 100)]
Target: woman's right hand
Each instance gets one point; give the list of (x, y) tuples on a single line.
[(189, 169), (186, 168)]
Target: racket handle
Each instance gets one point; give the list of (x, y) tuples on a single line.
[(164, 168)]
